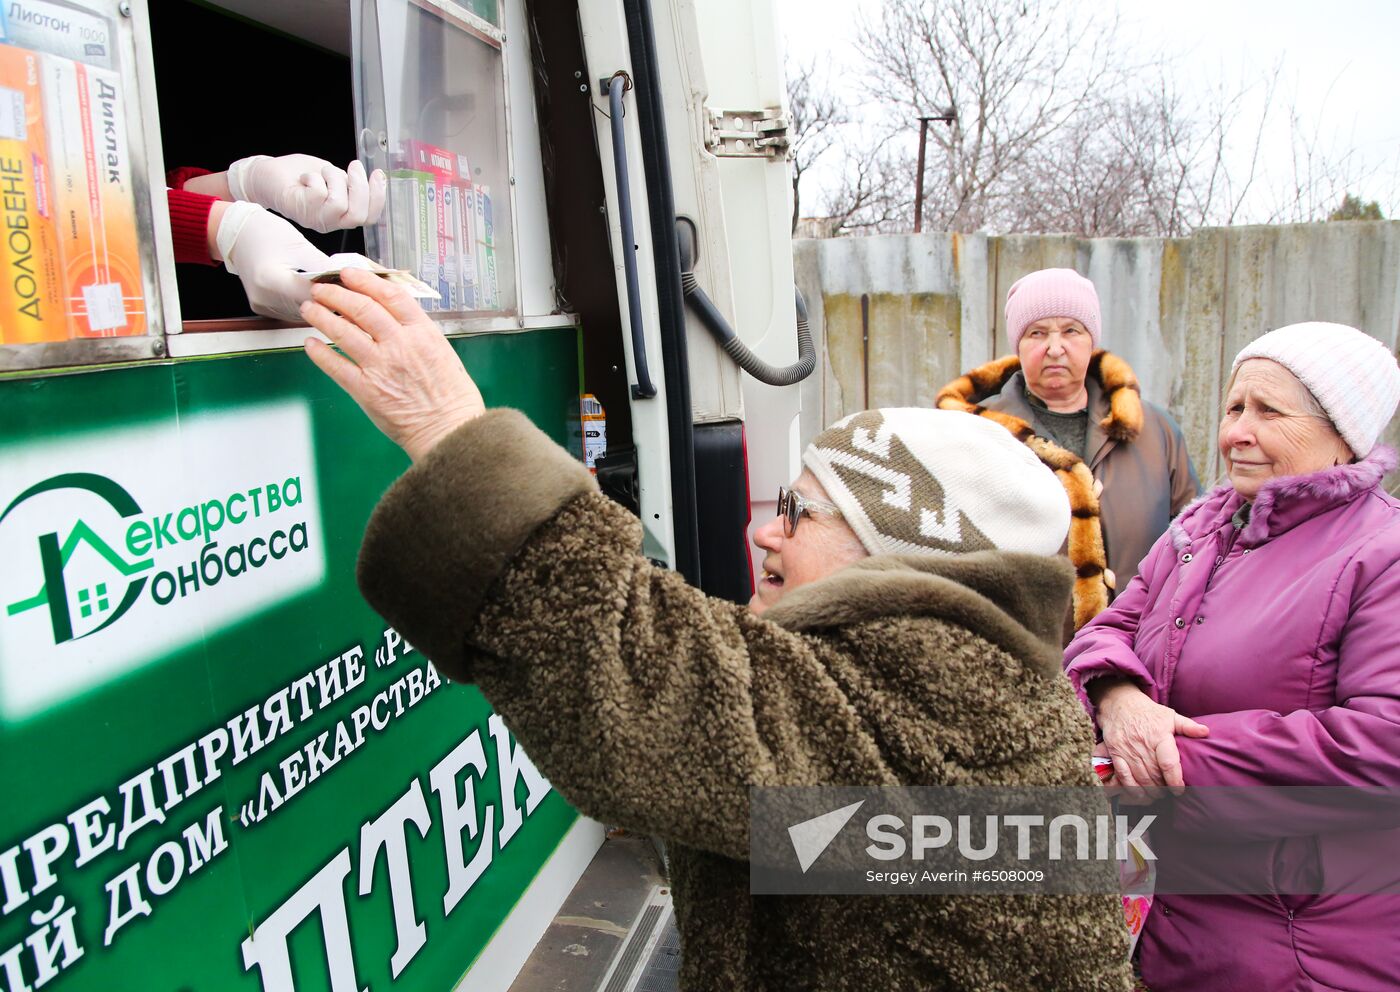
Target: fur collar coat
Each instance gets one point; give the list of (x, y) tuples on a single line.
[(651, 706), (1135, 477)]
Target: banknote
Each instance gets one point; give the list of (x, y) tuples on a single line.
[(416, 287)]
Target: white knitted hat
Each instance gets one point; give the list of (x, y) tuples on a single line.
[(1351, 374), (919, 481)]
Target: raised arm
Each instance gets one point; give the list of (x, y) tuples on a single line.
[(645, 702)]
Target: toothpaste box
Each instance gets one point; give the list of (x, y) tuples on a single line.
[(488, 292), (432, 242), (436, 165), (428, 232), (402, 196), (471, 260), (31, 308), (413, 203), (449, 255), (452, 177), (466, 244), (466, 270)]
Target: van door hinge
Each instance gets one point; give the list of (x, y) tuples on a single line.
[(748, 133)]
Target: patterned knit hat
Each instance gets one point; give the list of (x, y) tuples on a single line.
[(1051, 293), (1351, 374), (917, 481)]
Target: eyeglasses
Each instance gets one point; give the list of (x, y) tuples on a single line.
[(791, 506)]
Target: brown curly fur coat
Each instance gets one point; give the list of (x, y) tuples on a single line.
[(651, 706), (1094, 581)]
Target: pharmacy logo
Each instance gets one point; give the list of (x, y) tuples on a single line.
[(97, 600)]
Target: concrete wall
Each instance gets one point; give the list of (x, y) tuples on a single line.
[(898, 316)]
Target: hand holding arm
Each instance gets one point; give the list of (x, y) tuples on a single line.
[(1141, 738), (1105, 647)]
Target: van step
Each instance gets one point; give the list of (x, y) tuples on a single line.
[(592, 926), (663, 971), (649, 960)]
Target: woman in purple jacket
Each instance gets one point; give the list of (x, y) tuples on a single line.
[(1260, 646)]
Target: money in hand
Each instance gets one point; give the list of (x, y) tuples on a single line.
[(415, 287)]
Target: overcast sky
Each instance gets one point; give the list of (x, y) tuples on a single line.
[(1339, 58)]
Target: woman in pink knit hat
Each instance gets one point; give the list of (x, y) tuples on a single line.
[(1123, 461)]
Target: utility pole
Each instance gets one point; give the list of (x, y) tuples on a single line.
[(947, 115)]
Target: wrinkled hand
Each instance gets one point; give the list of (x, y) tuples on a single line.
[(397, 365), (310, 190), (265, 252), (1141, 739)]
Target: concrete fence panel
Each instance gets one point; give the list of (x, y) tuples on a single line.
[(897, 316)]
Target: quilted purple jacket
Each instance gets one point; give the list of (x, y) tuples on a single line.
[(1282, 637)]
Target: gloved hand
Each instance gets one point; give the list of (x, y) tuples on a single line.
[(309, 190), (265, 252)]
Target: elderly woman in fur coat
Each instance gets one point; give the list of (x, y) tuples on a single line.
[(1260, 646), (906, 631), (1123, 461)]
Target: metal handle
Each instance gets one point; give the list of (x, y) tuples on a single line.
[(643, 389)]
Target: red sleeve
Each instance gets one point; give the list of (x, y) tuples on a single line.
[(176, 178), (189, 223)]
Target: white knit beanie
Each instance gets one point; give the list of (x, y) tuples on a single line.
[(1351, 374), (919, 481)]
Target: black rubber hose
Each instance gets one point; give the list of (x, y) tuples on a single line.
[(670, 298), (643, 390), (772, 375)]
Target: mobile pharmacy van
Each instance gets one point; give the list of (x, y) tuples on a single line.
[(220, 770)]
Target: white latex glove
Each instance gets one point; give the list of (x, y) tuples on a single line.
[(265, 252), (309, 190)]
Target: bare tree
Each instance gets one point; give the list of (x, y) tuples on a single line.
[(1144, 161), (864, 189), (817, 118), (1081, 183), (1015, 73), (872, 196), (1321, 170), (1057, 129)]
